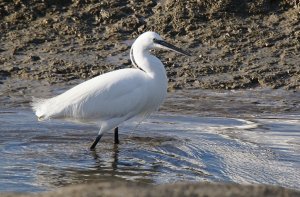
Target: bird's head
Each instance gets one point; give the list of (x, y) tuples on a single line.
[(151, 40)]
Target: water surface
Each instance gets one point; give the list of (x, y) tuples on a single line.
[(242, 137)]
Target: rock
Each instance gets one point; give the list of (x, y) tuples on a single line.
[(34, 58)]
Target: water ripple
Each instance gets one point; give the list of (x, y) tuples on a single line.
[(166, 148)]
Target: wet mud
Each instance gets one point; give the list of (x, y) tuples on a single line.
[(235, 44), (197, 190)]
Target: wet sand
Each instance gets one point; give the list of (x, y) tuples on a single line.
[(176, 190)]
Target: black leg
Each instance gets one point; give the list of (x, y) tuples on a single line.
[(117, 136), (95, 142)]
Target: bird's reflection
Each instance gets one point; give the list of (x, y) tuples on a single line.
[(115, 157)]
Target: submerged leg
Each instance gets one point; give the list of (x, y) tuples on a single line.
[(117, 135), (96, 142)]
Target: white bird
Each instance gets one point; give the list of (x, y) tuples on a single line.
[(114, 97)]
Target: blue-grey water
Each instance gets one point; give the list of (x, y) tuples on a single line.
[(231, 136)]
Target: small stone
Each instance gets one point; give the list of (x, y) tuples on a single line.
[(34, 58)]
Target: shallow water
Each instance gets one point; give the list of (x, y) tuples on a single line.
[(243, 137)]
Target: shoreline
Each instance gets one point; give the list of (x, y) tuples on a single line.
[(176, 189)]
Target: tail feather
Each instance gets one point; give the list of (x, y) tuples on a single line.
[(37, 106)]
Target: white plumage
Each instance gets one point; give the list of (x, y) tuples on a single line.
[(112, 98)]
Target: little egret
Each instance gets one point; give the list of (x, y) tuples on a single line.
[(114, 97)]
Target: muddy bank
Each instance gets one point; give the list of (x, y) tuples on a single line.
[(199, 189), (236, 44)]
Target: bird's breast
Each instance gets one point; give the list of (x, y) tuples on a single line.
[(157, 92)]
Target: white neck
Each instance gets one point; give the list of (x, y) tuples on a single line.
[(141, 58)]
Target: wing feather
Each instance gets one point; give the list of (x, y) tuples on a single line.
[(113, 94)]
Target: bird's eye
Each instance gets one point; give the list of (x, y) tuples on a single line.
[(155, 40)]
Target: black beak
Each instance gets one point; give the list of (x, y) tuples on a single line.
[(165, 45)]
